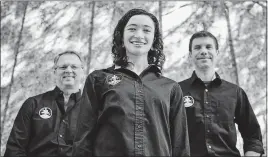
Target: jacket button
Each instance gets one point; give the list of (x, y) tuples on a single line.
[(139, 108)]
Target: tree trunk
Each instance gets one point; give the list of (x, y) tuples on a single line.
[(160, 16), (231, 44), (113, 16), (90, 36), (16, 52)]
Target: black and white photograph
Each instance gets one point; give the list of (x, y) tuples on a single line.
[(134, 78)]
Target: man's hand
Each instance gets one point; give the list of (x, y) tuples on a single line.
[(251, 153)]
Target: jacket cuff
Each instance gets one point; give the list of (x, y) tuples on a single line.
[(253, 145)]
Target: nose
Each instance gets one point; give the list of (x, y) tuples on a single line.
[(204, 51), (138, 34), (69, 69)]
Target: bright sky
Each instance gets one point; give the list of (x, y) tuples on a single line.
[(169, 21), (176, 18)]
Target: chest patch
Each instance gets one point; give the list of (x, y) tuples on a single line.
[(188, 101), (45, 112), (113, 79)]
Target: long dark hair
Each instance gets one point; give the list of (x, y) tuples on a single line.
[(155, 54)]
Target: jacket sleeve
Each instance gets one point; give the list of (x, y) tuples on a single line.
[(20, 134), (84, 138), (248, 124), (178, 124)]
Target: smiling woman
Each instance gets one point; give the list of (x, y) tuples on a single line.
[(130, 109), (138, 36), (145, 27)]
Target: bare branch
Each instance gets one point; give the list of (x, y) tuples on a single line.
[(185, 5), (183, 23)]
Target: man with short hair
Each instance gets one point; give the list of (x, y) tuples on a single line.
[(213, 106), (46, 123)]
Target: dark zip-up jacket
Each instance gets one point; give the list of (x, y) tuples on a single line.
[(43, 128), (125, 114), (212, 113)]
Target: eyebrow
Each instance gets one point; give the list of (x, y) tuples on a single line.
[(137, 25), (204, 44)]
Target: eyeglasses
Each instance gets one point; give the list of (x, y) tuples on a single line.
[(64, 67)]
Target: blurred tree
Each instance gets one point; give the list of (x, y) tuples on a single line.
[(160, 16), (88, 58), (20, 6), (113, 15), (231, 45)]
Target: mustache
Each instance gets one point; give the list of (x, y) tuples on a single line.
[(69, 74)]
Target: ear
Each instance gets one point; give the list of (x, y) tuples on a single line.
[(190, 54), (189, 57)]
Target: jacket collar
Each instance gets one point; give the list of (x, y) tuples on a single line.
[(217, 80), (58, 92), (150, 68)]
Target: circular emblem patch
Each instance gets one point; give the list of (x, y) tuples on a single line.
[(113, 79), (45, 112), (188, 101)]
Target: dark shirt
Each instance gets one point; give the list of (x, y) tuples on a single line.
[(212, 115), (43, 128), (131, 115)]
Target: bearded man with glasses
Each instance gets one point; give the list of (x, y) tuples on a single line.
[(46, 123)]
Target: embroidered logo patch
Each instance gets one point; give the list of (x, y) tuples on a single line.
[(45, 112), (113, 79), (188, 101)]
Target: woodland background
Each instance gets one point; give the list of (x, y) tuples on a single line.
[(33, 32)]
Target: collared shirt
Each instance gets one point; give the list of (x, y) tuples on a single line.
[(212, 112), (42, 126), (125, 114)]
